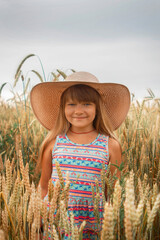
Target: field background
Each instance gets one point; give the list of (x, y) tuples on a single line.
[(133, 208)]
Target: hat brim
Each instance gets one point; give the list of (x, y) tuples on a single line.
[(45, 101)]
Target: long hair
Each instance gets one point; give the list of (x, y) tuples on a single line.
[(79, 93)]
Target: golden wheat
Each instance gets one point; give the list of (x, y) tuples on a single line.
[(133, 203)]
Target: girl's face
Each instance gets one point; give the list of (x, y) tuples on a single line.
[(80, 114)]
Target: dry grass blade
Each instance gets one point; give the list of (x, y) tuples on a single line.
[(22, 62), (55, 77), (1, 88), (62, 73), (38, 75), (26, 87), (17, 77)]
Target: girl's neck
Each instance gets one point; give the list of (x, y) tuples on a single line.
[(82, 136), (81, 132)]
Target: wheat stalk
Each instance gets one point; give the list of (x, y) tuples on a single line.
[(5, 213)]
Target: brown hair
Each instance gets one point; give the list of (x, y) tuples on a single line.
[(79, 93)]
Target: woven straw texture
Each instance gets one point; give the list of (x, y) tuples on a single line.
[(45, 100)]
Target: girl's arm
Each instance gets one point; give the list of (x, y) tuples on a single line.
[(46, 169), (115, 157)]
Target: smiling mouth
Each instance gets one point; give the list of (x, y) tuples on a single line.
[(79, 117)]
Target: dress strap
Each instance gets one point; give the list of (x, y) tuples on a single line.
[(105, 140), (107, 148)]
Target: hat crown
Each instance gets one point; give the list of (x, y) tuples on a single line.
[(81, 77)]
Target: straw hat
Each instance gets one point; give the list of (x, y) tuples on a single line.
[(45, 98)]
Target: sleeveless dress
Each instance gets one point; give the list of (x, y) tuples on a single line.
[(84, 164)]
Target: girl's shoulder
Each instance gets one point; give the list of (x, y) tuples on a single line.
[(50, 145), (47, 154)]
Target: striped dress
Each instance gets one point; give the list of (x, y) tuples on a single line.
[(84, 164)]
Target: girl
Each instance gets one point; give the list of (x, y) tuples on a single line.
[(81, 114)]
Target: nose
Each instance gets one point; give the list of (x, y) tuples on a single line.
[(78, 109)]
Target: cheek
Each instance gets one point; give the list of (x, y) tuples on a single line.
[(94, 112), (67, 112), (94, 115)]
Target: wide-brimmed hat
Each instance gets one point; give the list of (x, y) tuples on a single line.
[(45, 98)]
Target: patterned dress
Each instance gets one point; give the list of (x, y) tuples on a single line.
[(84, 164)]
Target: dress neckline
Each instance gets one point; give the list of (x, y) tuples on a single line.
[(86, 144)]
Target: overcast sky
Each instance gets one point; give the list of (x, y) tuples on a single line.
[(117, 40)]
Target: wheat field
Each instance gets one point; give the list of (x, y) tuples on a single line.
[(132, 211)]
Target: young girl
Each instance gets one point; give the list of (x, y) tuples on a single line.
[(81, 114)]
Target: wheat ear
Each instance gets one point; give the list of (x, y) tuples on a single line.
[(8, 212), (55, 235), (139, 212), (81, 230), (33, 231), (116, 200), (72, 226), (127, 221), (59, 173), (1, 163), (50, 190), (8, 176), (153, 212), (64, 217), (107, 228), (2, 235)]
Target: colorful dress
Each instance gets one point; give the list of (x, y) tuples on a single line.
[(84, 164)]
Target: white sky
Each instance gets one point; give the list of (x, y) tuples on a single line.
[(117, 40)]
